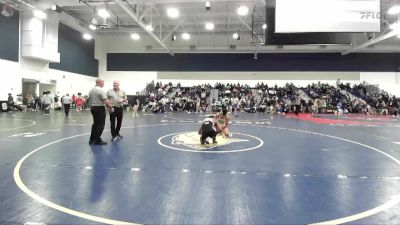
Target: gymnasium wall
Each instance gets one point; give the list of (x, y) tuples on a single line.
[(389, 81), (252, 78), (351, 64), (130, 81), (367, 62), (9, 33), (76, 54), (65, 82), (256, 76), (76, 72), (10, 80)]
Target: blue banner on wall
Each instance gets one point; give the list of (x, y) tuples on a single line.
[(360, 62), (9, 37)]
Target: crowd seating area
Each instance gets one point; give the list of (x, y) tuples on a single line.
[(314, 98), (340, 98)]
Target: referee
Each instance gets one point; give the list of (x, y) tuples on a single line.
[(66, 101), (117, 98), (97, 100)]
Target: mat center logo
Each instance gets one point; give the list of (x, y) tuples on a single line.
[(192, 140)]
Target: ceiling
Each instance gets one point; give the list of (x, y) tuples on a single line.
[(131, 16)]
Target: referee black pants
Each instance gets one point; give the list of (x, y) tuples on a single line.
[(117, 114), (99, 119), (66, 109)]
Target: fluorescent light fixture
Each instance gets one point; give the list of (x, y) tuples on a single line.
[(7, 11), (39, 14), (242, 10), (394, 10), (186, 36), (149, 27), (92, 27), (103, 13), (208, 5), (135, 36), (209, 26), (94, 20), (56, 8), (264, 26), (87, 36), (173, 12), (236, 36), (395, 26)]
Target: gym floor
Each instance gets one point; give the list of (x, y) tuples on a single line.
[(274, 170)]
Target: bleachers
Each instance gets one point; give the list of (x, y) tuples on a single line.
[(273, 99)]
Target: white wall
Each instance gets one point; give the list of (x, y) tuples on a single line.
[(252, 78), (11, 81), (388, 81), (130, 81), (252, 83), (14, 72), (136, 81)]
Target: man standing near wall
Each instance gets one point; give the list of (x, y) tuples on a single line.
[(10, 103), (117, 99), (97, 100), (47, 101)]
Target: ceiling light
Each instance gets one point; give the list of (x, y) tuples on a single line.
[(87, 36), (395, 26), (186, 36), (7, 11), (242, 10), (208, 5), (94, 20), (149, 27), (236, 36), (209, 26), (92, 27), (56, 8), (264, 26), (173, 37), (103, 13), (135, 36), (39, 14), (173, 12), (394, 10)]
